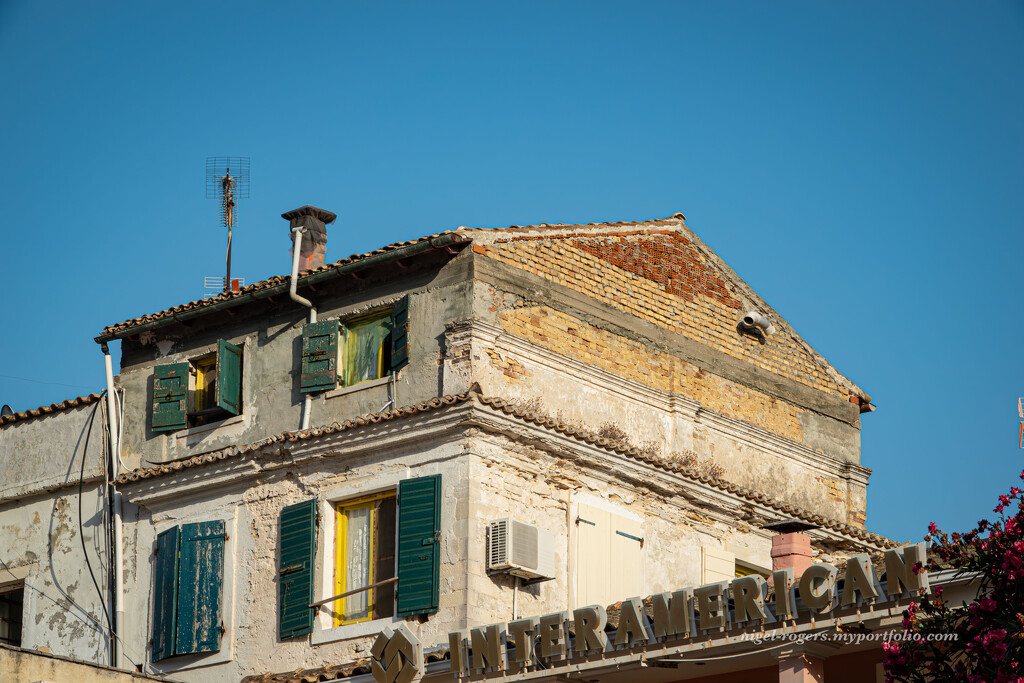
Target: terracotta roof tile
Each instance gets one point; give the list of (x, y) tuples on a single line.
[(52, 408), (615, 445), (283, 279)]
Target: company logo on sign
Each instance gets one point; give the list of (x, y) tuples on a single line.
[(396, 656)]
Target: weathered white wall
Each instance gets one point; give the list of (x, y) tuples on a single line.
[(253, 507), (41, 532), (487, 475), (19, 665), (821, 474), (271, 365)]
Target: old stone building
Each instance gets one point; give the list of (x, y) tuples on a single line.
[(609, 397)]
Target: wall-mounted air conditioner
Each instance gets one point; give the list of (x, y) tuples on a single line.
[(520, 549)]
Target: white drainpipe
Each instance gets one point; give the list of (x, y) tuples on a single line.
[(115, 458), (307, 405)]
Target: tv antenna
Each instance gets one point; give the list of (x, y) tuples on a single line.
[(227, 181)]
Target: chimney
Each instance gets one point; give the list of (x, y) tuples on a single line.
[(790, 546), (314, 239)]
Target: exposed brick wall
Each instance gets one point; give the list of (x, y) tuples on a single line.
[(659, 276), (669, 260), (633, 360)]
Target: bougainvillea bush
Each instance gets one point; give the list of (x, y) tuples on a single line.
[(989, 644)]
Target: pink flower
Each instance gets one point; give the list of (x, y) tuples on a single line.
[(988, 604), (932, 529)]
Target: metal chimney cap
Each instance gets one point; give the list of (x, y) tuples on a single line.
[(790, 526), (322, 215)]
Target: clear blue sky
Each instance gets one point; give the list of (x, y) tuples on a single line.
[(861, 165)]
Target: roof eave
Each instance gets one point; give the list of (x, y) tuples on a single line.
[(428, 244)]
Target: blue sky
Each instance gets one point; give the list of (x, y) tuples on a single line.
[(860, 164)]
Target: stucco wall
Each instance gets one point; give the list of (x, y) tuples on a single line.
[(21, 666), (487, 475), (252, 508), (42, 534), (565, 366), (271, 366)]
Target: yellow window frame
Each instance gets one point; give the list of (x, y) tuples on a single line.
[(340, 559), (206, 377)]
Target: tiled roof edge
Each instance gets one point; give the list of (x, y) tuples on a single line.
[(333, 428), (564, 226), (111, 331), (41, 411), (463, 233), (615, 445)]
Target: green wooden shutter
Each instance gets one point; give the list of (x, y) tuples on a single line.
[(229, 377), (298, 539), (400, 334), (170, 394), (165, 593), (419, 546), (200, 579), (320, 356)]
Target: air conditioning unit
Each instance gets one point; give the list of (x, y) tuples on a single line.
[(520, 549)]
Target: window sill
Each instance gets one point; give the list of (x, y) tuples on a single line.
[(202, 429), (368, 384), (349, 631)]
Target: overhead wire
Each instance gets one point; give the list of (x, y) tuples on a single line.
[(81, 526)]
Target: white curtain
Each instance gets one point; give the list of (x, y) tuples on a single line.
[(357, 554)]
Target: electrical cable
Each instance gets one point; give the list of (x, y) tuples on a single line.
[(86, 616), (81, 529)]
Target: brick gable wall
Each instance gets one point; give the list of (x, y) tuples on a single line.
[(661, 277)]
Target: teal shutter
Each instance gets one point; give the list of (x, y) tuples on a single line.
[(170, 394), (419, 545), (200, 578), (320, 356), (165, 593), (229, 377), (400, 334), (298, 538)]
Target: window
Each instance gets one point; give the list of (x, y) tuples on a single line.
[(364, 556), (377, 537), (371, 347), (609, 559), (204, 390), (188, 581), (748, 569), (367, 349), (11, 605)]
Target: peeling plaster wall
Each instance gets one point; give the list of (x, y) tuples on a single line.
[(489, 472), (254, 506), (40, 537), (586, 375), (271, 365), (521, 481)]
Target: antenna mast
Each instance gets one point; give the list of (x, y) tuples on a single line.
[(227, 181)]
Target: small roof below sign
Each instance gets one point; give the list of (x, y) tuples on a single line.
[(790, 526)]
